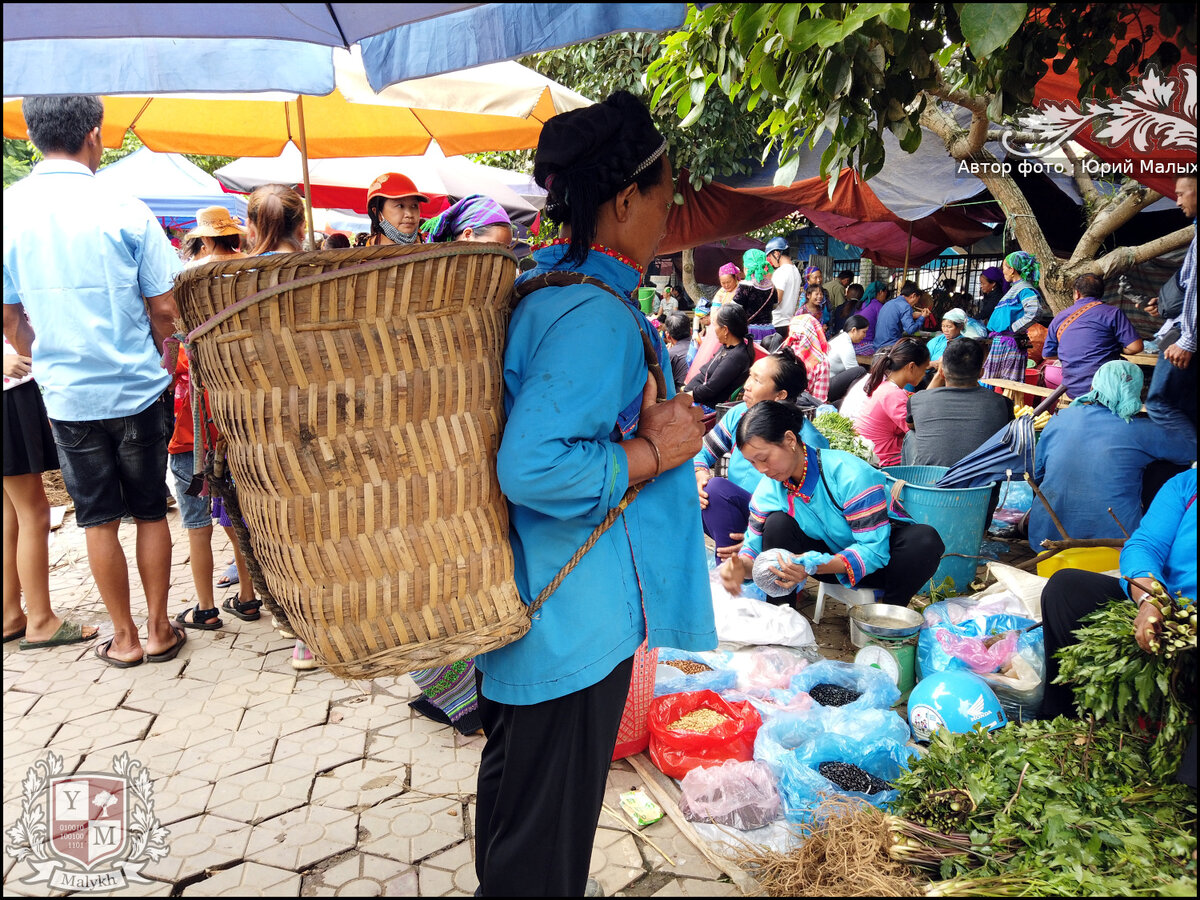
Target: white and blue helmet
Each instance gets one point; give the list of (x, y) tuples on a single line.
[(955, 700)]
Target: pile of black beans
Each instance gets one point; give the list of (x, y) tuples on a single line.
[(851, 778), (833, 694)]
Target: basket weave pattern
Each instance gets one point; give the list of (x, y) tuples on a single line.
[(363, 417)]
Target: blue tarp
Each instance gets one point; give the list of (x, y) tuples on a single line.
[(172, 186)]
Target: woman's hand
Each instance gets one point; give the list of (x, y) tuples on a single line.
[(789, 574), (1147, 625), (732, 549), (16, 366), (702, 477), (674, 427), (733, 572)]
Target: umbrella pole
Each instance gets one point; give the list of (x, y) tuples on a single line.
[(308, 214), (1046, 503)]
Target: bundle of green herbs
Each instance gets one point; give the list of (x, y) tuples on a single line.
[(1046, 808), (840, 433), (1114, 680)]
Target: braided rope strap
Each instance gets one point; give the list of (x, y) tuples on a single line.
[(564, 279)]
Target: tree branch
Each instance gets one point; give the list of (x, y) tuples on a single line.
[(1125, 258), (1131, 200), (1003, 188), (1083, 181)]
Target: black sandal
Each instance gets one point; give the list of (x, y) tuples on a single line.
[(204, 619), (247, 612)]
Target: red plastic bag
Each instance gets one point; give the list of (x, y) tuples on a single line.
[(678, 752)]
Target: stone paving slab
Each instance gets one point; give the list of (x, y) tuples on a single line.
[(277, 783)]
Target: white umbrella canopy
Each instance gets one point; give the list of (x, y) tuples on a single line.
[(341, 183), (496, 89)]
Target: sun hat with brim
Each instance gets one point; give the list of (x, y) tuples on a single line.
[(395, 186), (215, 221)]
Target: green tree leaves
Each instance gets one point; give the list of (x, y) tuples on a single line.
[(987, 26)]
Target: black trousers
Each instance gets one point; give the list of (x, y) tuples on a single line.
[(541, 785), (1068, 596), (840, 383), (915, 551)]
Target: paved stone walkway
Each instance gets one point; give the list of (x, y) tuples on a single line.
[(277, 783)]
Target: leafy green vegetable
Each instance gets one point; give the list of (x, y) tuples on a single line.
[(1116, 681), (840, 433), (1053, 809)]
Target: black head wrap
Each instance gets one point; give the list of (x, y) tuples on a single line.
[(587, 156)]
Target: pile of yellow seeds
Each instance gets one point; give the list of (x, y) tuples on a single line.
[(698, 720)]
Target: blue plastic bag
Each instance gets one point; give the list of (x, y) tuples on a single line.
[(877, 689), (1020, 685), (802, 787), (783, 733), (932, 657), (670, 680)]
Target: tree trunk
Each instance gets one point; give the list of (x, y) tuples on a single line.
[(1058, 274), (689, 277)]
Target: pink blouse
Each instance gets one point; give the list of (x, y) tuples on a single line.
[(883, 419)]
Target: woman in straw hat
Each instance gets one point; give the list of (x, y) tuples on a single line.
[(583, 425), (220, 234), (394, 207)]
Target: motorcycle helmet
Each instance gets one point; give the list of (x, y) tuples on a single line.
[(776, 243), (955, 700)]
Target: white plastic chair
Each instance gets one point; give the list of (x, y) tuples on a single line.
[(849, 596)]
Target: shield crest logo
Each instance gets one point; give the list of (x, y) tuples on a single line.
[(89, 818)]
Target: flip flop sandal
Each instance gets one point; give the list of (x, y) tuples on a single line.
[(230, 578), (68, 633), (168, 655), (247, 612), (102, 654), (204, 619), (20, 633)]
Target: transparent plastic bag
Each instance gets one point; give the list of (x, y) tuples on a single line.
[(771, 668), (960, 620), (670, 680), (802, 787), (877, 690), (784, 732), (975, 652), (737, 794)]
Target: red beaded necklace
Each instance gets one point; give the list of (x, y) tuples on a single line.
[(600, 248)]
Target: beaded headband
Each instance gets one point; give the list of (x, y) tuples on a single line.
[(649, 160)]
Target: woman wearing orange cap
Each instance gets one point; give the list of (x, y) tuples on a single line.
[(394, 206)]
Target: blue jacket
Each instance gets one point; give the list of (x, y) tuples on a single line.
[(723, 439), (574, 372), (895, 321), (1164, 545), (1089, 459), (849, 509)]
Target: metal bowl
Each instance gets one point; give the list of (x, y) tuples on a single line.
[(886, 621)]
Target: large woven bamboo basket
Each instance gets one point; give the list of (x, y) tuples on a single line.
[(360, 395)]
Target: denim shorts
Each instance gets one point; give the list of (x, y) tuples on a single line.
[(197, 511), (114, 468)]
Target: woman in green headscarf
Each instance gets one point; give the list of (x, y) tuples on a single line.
[(1100, 428), (755, 293), (1016, 311)]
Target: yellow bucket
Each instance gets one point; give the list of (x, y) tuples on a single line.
[(1090, 559)]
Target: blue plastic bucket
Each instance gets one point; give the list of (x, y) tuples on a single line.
[(958, 514)]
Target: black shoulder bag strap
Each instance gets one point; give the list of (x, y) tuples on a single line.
[(564, 279)]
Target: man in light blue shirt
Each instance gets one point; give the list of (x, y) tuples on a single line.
[(88, 278), (899, 316)]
